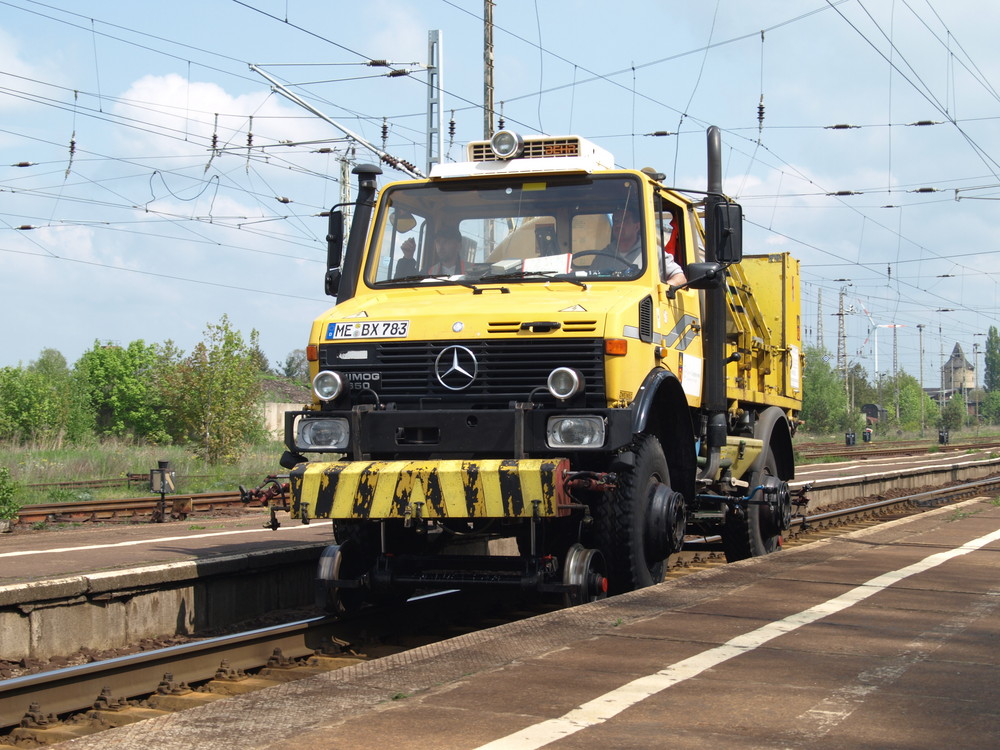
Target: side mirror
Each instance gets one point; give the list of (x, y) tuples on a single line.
[(334, 252), (728, 233), (331, 282)]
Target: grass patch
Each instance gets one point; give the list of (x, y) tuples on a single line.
[(47, 465)]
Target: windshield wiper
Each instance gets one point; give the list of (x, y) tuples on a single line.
[(556, 275), (435, 277)]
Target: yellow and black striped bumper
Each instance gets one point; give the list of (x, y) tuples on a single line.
[(430, 489)]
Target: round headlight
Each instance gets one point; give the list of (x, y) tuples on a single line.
[(507, 144), (327, 385), (565, 382)]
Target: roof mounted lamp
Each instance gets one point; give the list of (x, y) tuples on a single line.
[(506, 144)]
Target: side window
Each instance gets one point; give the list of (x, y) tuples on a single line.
[(669, 228), (400, 248), (697, 235)]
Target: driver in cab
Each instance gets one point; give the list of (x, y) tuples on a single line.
[(626, 245)]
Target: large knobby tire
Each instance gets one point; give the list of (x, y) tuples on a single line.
[(620, 520), (754, 533)]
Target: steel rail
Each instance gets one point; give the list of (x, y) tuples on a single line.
[(65, 690), (127, 506)]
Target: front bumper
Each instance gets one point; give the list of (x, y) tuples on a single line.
[(458, 433), (440, 489)]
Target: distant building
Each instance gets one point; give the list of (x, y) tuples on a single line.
[(957, 374)]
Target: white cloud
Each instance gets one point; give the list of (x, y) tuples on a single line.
[(177, 117)]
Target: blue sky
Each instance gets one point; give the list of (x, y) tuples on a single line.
[(143, 230)]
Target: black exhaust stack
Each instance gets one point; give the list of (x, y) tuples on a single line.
[(715, 402), (351, 267)]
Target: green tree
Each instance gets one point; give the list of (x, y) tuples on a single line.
[(913, 403), (121, 387), (991, 378), (68, 394), (214, 394), (296, 366), (27, 410), (862, 392), (260, 360), (955, 413), (990, 408), (824, 400)]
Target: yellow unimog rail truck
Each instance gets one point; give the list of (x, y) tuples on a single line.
[(507, 361)]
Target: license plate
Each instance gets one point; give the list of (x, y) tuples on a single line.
[(368, 329)]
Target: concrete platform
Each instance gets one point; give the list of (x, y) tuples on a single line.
[(885, 638), (111, 586)]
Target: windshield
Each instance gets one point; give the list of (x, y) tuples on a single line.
[(525, 228)]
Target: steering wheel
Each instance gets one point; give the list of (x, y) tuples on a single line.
[(599, 254)]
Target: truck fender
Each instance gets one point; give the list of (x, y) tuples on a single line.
[(661, 409), (773, 429)]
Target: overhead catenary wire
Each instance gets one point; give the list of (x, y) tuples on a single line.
[(257, 182)]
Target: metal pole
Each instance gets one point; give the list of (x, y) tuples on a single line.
[(488, 69), (920, 327), (895, 369), (975, 380), (435, 109)]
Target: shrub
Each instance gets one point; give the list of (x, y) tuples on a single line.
[(9, 506)]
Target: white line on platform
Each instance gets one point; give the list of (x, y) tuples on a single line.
[(135, 542), (614, 702)]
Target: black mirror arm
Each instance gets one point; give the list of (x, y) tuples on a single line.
[(713, 275)]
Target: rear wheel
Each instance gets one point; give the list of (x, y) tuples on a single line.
[(756, 531), (584, 575), (352, 556), (640, 523)]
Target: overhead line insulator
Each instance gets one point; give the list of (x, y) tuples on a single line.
[(842, 126)]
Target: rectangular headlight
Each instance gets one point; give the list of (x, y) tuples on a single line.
[(322, 434), (575, 432)]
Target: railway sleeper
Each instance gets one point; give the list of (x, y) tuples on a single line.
[(41, 729)]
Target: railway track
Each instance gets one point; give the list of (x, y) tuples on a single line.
[(884, 450), (58, 705), (131, 508)]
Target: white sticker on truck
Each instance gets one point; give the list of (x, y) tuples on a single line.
[(369, 329)]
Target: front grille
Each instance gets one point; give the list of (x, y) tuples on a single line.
[(508, 369), (568, 326)]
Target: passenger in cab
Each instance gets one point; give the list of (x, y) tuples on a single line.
[(447, 253), (406, 266)]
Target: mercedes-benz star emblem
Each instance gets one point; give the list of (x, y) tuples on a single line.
[(456, 368)]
